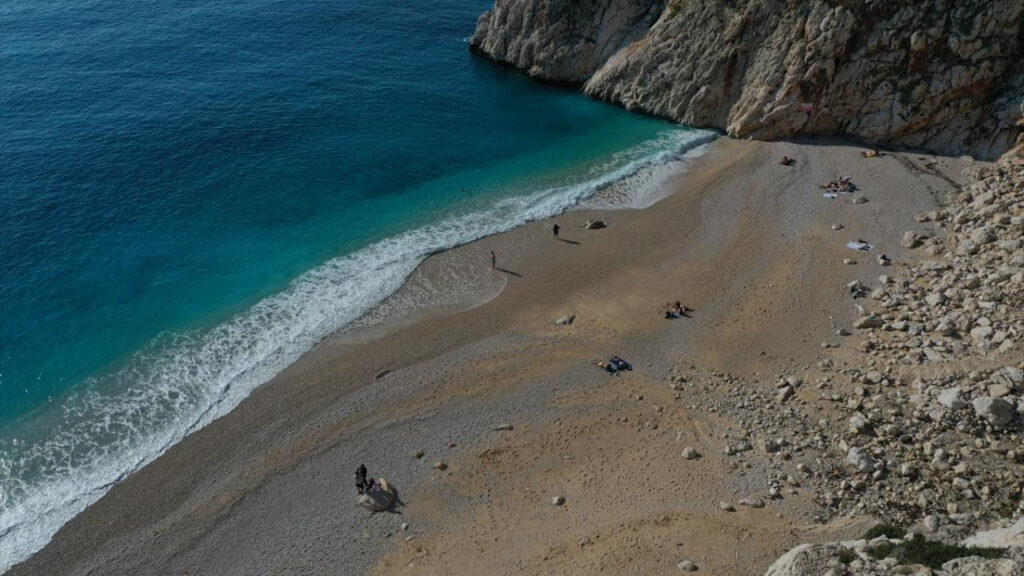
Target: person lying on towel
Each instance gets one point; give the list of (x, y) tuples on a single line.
[(607, 367), (620, 364)]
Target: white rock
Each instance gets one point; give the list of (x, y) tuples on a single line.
[(859, 422), (950, 398), (999, 537), (785, 393), (860, 459), (995, 411), (687, 566)]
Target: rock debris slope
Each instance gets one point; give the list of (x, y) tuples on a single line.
[(937, 74)]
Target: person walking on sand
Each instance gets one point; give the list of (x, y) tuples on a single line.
[(555, 229), (494, 260)]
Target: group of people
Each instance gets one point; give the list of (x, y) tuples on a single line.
[(842, 185), (675, 310), (613, 365), (363, 484)]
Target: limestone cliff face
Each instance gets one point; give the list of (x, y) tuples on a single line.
[(935, 74)]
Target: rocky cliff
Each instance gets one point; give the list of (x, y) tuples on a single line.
[(936, 74)]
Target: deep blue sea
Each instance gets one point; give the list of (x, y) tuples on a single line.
[(192, 194)]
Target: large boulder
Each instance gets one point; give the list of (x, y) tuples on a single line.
[(995, 411)]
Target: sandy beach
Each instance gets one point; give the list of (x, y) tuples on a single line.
[(747, 243)]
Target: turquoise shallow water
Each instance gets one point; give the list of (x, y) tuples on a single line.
[(193, 194)]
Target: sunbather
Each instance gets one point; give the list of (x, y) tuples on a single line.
[(606, 366), (620, 363)]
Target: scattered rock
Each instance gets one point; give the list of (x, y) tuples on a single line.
[(687, 566), (910, 240), (950, 398), (752, 502), (557, 500), (995, 411), (868, 322), (566, 320), (689, 453), (860, 460)]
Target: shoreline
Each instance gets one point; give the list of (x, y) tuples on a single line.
[(275, 470)]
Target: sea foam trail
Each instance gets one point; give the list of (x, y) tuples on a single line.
[(116, 424)]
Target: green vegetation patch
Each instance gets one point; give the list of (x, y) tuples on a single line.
[(929, 553), (887, 530)]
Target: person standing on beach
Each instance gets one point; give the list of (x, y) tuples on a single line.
[(494, 260), (555, 229), (361, 483)]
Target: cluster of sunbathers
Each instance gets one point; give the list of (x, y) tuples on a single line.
[(842, 185), (675, 310), (613, 365)]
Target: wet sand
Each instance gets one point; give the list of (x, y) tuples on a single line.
[(743, 241)]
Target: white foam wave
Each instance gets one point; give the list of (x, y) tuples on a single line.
[(120, 423)]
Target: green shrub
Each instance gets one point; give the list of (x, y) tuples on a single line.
[(887, 530), (931, 554)]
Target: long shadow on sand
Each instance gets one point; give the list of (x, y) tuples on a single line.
[(569, 241), (510, 272)]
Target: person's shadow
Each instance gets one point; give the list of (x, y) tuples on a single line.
[(569, 241), (510, 272)]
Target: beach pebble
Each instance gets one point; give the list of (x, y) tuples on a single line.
[(687, 566), (868, 322), (849, 261), (503, 428), (557, 500), (837, 226), (440, 465), (726, 506), (689, 453), (752, 502), (417, 454), (405, 526)]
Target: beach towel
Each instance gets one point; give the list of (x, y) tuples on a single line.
[(862, 246), (831, 195)]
